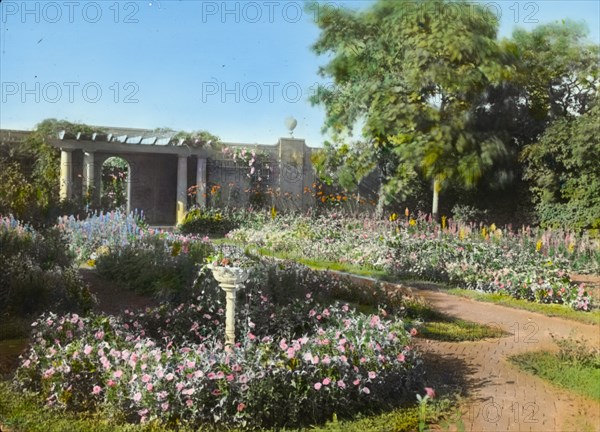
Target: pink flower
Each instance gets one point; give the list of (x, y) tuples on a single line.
[(372, 375), (315, 360), (283, 345), (430, 392), (87, 350), (137, 397), (375, 321), (149, 387), (216, 392), (169, 376), (400, 357), (118, 374), (164, 406), (241, 406), (366, 390), (413, 331), (99, 335), (317, 386), (146, 378), (356, 382), (326, 381), (251, 336), (341, 384), (188, 392), (96, 390), (291, 352), (189, 403)]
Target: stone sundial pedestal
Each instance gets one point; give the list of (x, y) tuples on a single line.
[(230, 280)]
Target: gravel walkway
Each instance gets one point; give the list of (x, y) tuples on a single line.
[(500, 397)]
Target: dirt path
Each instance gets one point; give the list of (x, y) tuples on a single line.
[(113, 299), (500, 397)]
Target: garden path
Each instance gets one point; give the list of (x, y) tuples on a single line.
[(502, 397), (112, 298), (498, 395)]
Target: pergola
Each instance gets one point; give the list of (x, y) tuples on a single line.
[(161, 168)]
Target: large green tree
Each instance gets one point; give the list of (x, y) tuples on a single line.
[(563, 167), (413, 79)]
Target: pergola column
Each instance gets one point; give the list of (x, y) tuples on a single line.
[(66, 175), (201, 183), (88, 176), (181, 188)]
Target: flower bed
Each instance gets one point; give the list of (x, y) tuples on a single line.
[(315, 358), (528, 264)]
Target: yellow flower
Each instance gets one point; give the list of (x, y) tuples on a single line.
[(493, 227), (393, 217), (91, 263), (538, 245), (483, 232), (443, 222), (412, 222), (571, 247), (273, 212), (461, 234), (103, 250)]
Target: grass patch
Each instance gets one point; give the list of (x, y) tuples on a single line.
[(552, 310), (442, 327), (459, 330), (26, 412), (583, 379)]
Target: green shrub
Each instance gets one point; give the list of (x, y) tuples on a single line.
[(154, 267), (37, 273), (207, 221)]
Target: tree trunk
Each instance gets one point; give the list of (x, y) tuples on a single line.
[(436, 198)]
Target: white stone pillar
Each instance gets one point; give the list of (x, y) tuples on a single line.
[(66, 174), (88, 175), (201, 183), (230, 280), (181, 188), (230, 292)]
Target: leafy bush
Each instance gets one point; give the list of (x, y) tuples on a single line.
[(36, 272), (207, 221), (156, 266)]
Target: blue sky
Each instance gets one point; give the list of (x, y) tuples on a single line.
[(236, 69)]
